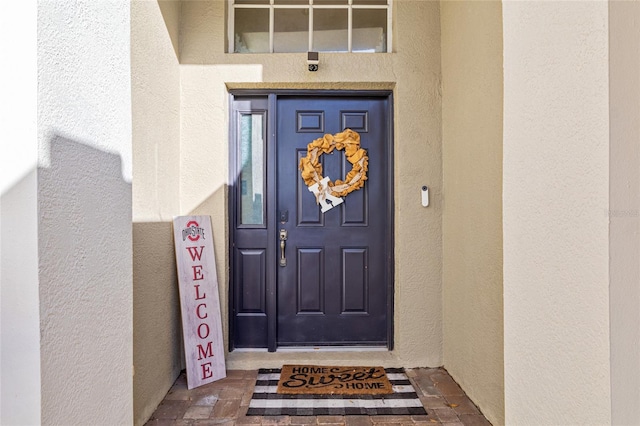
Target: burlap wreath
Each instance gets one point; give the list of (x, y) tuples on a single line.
[(349, 141)]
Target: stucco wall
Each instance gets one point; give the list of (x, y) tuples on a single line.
[(472, 207), (84, 205), (624, 210), (155, 82), (413, 71), (20, 308), (19, 304), (556, 247), (155, 79)]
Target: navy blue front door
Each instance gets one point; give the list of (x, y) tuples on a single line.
[(332, 275), (333, 290)]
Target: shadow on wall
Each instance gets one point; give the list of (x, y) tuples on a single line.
[(170, 10), (157, 336), (19, 319), (84, 249), (158, 354)]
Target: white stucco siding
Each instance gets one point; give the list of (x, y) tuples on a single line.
[(19, 300), (84, 47), (84, 203), (556, 173), (155, 82)]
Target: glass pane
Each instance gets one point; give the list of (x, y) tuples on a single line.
[(330, 30), (290, 2), (251, 2), (332, 2), (251, 170), (369, 30), (370, 2), (251, 28), (291, 30)]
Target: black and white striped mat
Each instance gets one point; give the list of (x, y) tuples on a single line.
[(266, 402)]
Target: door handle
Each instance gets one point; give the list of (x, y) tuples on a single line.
[(283, 238)]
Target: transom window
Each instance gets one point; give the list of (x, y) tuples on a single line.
[(268, 26)]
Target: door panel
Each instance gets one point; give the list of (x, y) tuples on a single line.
[(334, 289), (307, 211), (355, 280), (252, 276), (310, 280)]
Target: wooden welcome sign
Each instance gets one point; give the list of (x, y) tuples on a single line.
[(199, 300)]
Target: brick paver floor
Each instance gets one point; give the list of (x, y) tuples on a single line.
[(225, 402)]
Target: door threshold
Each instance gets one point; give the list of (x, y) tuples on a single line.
[(332, 349), (318, 349)]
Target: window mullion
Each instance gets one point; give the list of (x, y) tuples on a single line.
[(271, 25), (350, 27), (389, 26), (231, 45), (310, 25)]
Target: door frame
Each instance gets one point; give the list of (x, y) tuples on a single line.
[(271, 197)]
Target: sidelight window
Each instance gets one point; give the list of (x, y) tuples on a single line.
[(251, 158), (281, 26)]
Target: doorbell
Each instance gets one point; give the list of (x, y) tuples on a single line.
[(425, 196)]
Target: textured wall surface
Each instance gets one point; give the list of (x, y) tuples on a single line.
[(84, 203), (413, 71), (155, 85), (472, 209), (157, 348), (155, 78), (624, 210), (19, 304), (20, 308), (555, 193)]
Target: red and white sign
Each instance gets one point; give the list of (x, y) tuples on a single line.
[(199, 300)]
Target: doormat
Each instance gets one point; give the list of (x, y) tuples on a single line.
[(330, 380), (267, 402)]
